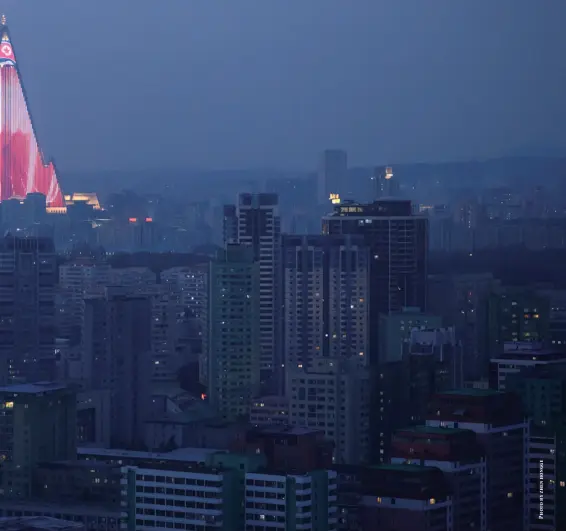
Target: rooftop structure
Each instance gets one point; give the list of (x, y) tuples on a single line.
[(33, 388), (32, 523)]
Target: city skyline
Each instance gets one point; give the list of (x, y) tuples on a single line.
[(391, 92)]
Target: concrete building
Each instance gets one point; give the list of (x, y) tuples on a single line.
[(412, 498), (334, 396), (191, 283), (139, 279), (326, 299), (516, 314), (542, 389), (435, 365), (234, 332), (269, 410), (117, 354), (419, 363), (169, 348), (79, 279), (461, 300), (94, 415), (257, 224), (296, 450), (28, 269), (398, 245), (221, 490), (396, 328), (503, 433), (28, 413), (460, 457), (519, 356), (291, 502)]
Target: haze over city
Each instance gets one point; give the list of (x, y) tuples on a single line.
[(297, 266), (247, 84)]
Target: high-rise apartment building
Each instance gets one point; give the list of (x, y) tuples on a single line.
[(37, 423), (117, 356), (255, 221), (326, 338), (397, 240), (332, 174), (28, 274), (234, 325), (326, 299)]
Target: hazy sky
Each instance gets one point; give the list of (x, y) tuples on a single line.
[(251, 83)]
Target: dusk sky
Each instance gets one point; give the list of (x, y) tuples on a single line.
[(117, 84)]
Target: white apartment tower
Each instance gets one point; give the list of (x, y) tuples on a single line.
[(255, 222), (326, 338), (326, 299)]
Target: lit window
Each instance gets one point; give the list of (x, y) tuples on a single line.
[(378, 500), (9, 405), (432, 501), (563, 484), (509, 494)]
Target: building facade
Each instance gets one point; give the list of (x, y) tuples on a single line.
[(234, 332)]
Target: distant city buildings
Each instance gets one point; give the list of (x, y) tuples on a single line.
[(169, 359), (332, 175)]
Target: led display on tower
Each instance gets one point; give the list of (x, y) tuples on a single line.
[(22, 167)]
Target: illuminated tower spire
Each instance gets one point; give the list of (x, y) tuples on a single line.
[(22, 167)]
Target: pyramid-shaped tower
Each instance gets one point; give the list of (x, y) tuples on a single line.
[(22, 167)]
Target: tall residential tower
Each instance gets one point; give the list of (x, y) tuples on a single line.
[(28, 275), (255, 222), (233, 355), (398, 245)]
